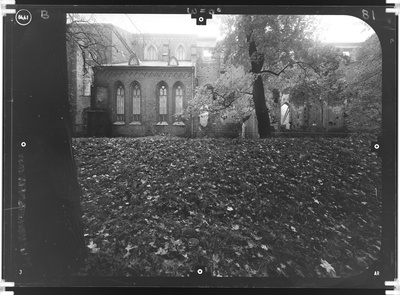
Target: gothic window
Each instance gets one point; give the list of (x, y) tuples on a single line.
[(120, 104), (136, 103), (178, 100), (163, 98), (151, 53), (180, 53), (285, 116)]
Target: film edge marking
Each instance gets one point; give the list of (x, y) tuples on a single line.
[(3, 7)]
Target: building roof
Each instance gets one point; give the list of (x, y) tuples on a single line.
[(153, 63), (206, 42), (344, 44), (201, 41)]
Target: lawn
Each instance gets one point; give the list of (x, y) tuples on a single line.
[(158, 206)]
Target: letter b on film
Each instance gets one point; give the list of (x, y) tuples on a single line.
[(44, 14)]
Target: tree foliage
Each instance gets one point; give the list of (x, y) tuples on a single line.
[(325, 82), (230, 93), (365, 87), (264, 44), (280, 39), (281, 49)]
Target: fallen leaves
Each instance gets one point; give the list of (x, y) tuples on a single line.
[(329, 269), (291, 207), (93, 247)]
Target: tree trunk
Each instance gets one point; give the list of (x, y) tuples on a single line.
[(53, 219), (262, 113), (261, 109)]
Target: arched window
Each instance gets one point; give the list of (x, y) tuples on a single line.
[(120, 99), (151, 53), (136, 100), (179, 100), (163, 98), (285, 116), (180, 53)]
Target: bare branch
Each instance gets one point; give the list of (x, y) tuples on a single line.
[(299, 63), (276, 74), (245, 92)]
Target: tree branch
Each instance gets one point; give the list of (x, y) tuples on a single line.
[(276, 74), (245, 92), (288, 65)]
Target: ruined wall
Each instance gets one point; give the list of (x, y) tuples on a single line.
[(309, 117)]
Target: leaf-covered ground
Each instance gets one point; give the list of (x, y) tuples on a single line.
[(158, 206)]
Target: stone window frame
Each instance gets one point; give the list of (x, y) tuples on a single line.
[(146, 52), (119, 118), (286, 115), (136, 119), (162, 119), (173, 61), (180, 55), (87, 82), (177, 117), (134, 60)]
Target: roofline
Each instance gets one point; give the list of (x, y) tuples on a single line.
[(356, 44), (165, 34), (130, 67)]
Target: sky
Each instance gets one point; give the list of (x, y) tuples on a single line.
[(334, 28)]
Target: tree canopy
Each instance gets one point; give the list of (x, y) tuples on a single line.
[(364, 92), (280, 39), (282, 51)]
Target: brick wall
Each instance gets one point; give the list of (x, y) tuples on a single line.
[(148, 80), (141, 42), (207, 71)]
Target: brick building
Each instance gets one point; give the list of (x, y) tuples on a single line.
[(143, 84)]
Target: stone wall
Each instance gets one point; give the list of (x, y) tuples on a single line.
[(316, 117), (79, 98)]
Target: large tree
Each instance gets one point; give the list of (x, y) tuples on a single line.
[(266, 45), (53, 225), (287, 61)]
